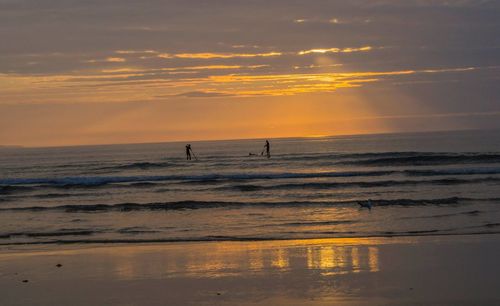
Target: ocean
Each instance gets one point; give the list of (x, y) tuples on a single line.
[(440, 183)]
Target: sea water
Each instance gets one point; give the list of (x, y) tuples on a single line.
[(442, 183)]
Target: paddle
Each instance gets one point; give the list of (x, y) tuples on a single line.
[(194, 155)]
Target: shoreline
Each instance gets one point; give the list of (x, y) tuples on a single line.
[(167, 241), (444, 270)]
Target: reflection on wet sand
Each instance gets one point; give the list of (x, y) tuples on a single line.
[(342, 259), (280, 259), (233, 259), (395, 271)]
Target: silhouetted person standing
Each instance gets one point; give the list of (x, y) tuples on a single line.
[(267, 148), (188, 152)]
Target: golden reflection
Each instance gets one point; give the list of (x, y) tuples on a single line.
[(215, 263), (280, 259), (355, 260), (340, 257), (317, 136), (326, 258), (373, 259), (208, 261), (323, 256), (255, 260)]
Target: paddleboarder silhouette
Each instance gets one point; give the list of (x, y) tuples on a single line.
[(188, 152), (267, 148)]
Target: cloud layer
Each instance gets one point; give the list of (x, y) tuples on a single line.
[(434, 57)]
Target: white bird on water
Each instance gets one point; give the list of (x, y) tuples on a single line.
[(367, 204)]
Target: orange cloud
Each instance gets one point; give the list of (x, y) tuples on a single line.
[(115, 59), (136, 52), (335, 50), (209, 55)]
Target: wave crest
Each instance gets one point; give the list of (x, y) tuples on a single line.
[(185, 205)]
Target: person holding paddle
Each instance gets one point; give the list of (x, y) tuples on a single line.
[(189, 151), (267, 148)]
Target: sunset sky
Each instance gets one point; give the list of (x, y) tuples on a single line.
[(120, 71)]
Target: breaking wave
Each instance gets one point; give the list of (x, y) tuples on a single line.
[(425, 159), (188, 205), (361, 184), (103, 180)]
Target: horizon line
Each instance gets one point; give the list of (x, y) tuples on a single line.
[(238, 139)]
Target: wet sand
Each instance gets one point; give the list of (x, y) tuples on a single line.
[(441, 270)]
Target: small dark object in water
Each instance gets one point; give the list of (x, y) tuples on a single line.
[(218, 293), (25, 280), (367, 204), (58, 265)]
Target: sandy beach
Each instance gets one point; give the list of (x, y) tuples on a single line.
[(440, 270)]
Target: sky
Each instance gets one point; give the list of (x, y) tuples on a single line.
[(78, 72)]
